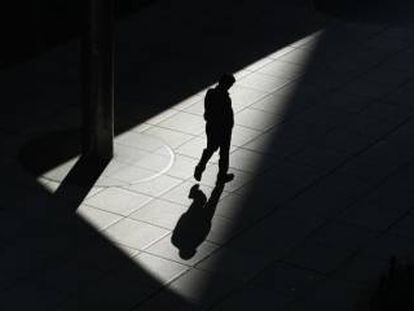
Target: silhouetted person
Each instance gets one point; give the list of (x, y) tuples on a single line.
[(194, 225), (219, 118)]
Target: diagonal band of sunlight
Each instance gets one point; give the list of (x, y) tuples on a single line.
[(142, 193)]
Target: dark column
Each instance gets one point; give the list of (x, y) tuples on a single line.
[(98, 79)]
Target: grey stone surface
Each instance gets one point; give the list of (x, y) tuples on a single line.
[(322, 155)]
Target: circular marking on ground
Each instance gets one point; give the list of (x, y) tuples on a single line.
[(137, 158)]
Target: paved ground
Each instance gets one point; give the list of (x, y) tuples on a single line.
[(322, 155)]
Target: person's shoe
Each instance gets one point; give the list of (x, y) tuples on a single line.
[(225, 177), (198, 172)]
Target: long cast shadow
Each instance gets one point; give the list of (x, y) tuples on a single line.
[(340, 159), (194, 225), (62, 236), (51, 258), (54, 259)]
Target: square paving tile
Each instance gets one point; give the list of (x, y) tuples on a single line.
[(343, 235), (183, 167), (291, 174), (256, 119), (296, 56), (127, 174), (258, 64), (182, 105), (257, 193), (235, 263), (242, 135), (134, 234), (194, 147), (269, 236), (161, 213), (209, 178), (98, 218), (348, 102), (364, 87), (170, 137), (284, 50), (314, 256), (165, 249), (329, 197), (201, 287), (318, 158), (250, 298), (196, 108), (222, 229), (273, 103), (155, 120), (118, 201), (136, 140), (236, 207), (161, 269), (263, 82), (155, 187), (282, 69), (288, 280), (243, 97), (249, 161), (371, 215), (184, 122), (336, 295), (274, 143), (180, 193)]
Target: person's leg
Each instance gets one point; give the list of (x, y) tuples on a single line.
[(224, 159), (206, 155), (212, 146)]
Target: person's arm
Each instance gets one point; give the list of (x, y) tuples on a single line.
[(208, 106)]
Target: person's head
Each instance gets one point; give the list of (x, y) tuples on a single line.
[(197, 195), (226, 81)]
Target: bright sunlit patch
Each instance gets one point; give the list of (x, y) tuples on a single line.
[(260, 98), (137, 158)]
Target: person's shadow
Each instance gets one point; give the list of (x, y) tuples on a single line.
[(194, 225)]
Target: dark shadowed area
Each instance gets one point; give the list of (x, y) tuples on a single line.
[(330, 197)]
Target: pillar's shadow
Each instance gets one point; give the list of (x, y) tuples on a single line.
[(60, 260), (80, 180), (194, 225)]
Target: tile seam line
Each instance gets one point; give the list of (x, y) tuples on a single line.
[(159, 290), (123, 217), (261, 219), (209, 256)]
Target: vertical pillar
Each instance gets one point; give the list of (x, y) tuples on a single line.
[(98, 79)]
